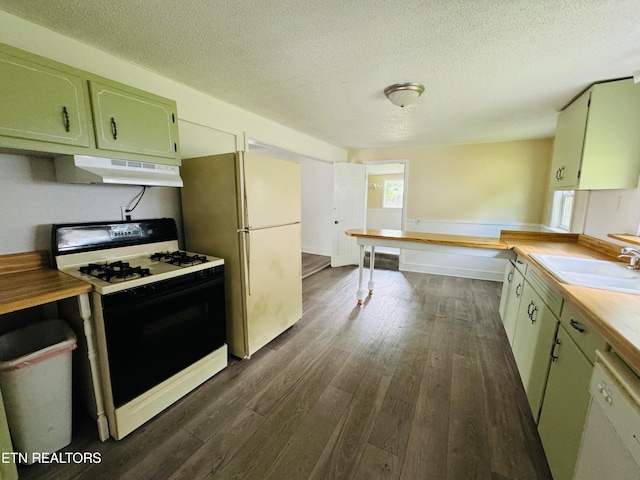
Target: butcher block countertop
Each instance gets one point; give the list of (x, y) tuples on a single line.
[(614, 315), (27, 280), (435, 238)]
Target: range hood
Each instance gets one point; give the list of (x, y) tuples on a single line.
[(86, 169)]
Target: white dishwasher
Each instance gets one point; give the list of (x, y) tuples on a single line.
[(610, 446)]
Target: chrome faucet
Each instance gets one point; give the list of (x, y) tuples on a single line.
[(633, 254)]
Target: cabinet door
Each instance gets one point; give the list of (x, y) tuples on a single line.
[(565, 406), (40, 103), (534, 335), (581, 332), (568, 144), (513, 304), (506, 285), (611, 152), (134, 123)]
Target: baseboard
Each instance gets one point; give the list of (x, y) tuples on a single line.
[(316, 251), (496, 276)]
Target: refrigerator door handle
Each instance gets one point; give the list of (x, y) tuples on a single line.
[(247, 259)]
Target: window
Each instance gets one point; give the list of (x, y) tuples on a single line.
[(392, 193), (562, 209)]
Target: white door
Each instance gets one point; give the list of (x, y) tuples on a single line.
[(349, 202)]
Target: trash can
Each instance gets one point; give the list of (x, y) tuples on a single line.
[(35, 380)]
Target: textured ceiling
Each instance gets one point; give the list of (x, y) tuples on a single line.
[(493, 70)]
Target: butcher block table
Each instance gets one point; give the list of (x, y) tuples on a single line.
[(410, 240), (27, 280)]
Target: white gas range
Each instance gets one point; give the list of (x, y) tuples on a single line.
[(120, 268), (158, 313)]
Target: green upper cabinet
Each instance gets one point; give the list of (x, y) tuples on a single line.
[(597, 145), (49, 107), (41, 103), (128, 120)]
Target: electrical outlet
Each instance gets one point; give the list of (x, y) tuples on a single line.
[(124, 213)]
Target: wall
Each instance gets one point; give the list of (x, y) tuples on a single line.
[(503, 182), (612, 211), (476, 189), (31, 200), (207, 126)]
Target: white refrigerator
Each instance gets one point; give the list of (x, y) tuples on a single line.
[(246, 208)]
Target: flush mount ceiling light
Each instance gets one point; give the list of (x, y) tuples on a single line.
[(403, 94)]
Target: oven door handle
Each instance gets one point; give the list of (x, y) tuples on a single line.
[(137, 303)]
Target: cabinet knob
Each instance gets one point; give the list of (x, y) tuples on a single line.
[(518, 289), (336, 222)]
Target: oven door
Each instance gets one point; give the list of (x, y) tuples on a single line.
[(154, 331)]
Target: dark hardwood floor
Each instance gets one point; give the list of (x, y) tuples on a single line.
[(418, 383)]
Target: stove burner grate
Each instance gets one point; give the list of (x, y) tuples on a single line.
[(115, 271), (179, 258)]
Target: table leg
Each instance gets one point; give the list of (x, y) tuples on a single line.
[(85, 314), (360, 292), (371, 283)]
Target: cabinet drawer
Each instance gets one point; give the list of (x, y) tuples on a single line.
[(582, 333), (521, 264), (547, 293)]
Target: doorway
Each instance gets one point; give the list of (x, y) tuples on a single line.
[(386, 197)]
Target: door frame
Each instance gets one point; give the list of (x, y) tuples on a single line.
[(405, 162)]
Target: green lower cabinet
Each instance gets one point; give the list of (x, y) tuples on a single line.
[(534, 333), (513, 304), (565, 407)]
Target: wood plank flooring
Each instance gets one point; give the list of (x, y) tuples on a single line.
[(312, 263), (418, 383)]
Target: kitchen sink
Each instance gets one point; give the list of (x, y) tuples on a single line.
[(587, 272)]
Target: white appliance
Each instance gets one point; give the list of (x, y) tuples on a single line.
[(158, 315), (86, 169), (610, 446), (246, 209)]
